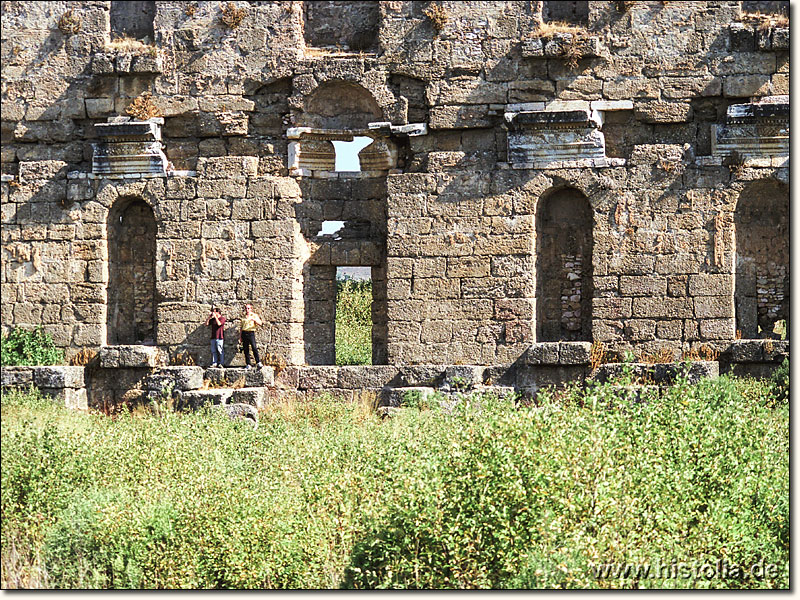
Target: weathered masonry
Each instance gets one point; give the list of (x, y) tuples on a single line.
[(525, 188)]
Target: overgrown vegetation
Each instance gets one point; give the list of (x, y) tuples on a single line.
[(353, 322), (143, 108), (438, 16), (69, 23), (232, 16), (29, 347), (486, 494)]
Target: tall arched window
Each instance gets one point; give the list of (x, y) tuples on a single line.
[(564, 267), (131, 269), (762, 258)]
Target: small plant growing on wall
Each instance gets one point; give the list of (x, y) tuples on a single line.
[(437, 15), (573, 51), (231, 16), (69, 23), (143, 108)]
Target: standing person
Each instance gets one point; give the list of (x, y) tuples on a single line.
[(247, 335), (217, 323)]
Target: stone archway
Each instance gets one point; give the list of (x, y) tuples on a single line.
[(132, 278), (564, 267), (762, 258)]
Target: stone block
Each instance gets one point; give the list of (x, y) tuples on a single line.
[(288, 377), (72, 398), (59, 377), (249, 395), (197, 398), (642, 285), (711, 284), (129, 357), (574, 353), (318, 378), (718, 329), (462, 377), (402, 396), (542, 353), (745, 86), (531, 378), (360, 377), (663, 112), (420, 375), (182, 378), (16, 376), (254, 377)]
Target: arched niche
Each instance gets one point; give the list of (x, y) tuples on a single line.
[(564, 224), (340, 105), (762, 258), (131, 269)]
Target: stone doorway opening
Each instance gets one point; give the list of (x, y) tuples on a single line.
[(564, 224), (762, 260), (131, 317)]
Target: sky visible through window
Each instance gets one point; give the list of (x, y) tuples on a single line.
[(347, 153)]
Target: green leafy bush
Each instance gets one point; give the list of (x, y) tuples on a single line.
[(30, 347), (353, 322), (326, 495), (780, 383)]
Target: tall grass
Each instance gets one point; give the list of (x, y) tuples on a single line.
[(326, 495), (353, 322)]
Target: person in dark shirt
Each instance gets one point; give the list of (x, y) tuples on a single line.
[(217, 323)]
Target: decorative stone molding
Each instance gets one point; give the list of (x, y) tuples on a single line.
[(754, 130), (129, 147), (540, 137)]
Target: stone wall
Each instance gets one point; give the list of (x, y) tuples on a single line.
[(636, 111)]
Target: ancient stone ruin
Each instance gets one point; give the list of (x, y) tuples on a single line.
[(536, 177)]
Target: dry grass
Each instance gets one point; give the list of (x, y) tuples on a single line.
[(662, 355), (237, 384), (274, 361), (766, 21), (231, 16), (551, 28), (127, 44), (701, 353), (69, 23), (438, 16), (21, 572), (83, 358), (182, 359), (143, 108), (597, 355)]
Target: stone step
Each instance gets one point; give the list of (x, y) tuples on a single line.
[(256, 377), (659, 373), (195, 399)]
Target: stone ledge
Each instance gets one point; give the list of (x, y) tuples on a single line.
[(198, 398), (16, 377), (133, 356), (757, 351), (582, 163), (659, 373), (58, 377), (265, 376), (181, 378), (557, 353)]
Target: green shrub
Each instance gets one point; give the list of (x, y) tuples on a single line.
[(30, 347), (325, 495), (353, 322), (780, 383)]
